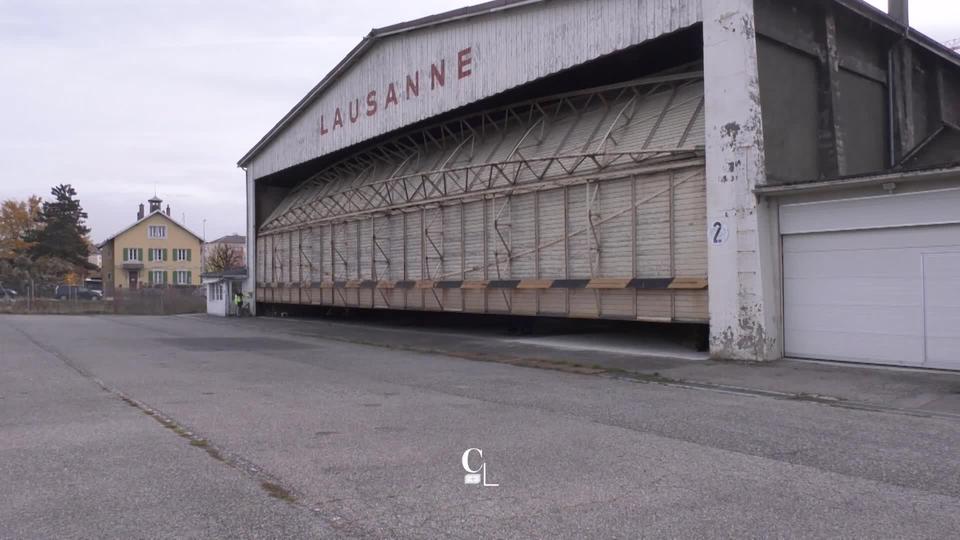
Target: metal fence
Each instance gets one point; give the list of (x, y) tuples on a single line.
[(154, 301)]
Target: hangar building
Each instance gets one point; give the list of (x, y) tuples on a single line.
[(785, 171)]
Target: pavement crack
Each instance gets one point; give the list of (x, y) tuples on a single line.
[(271, 485)]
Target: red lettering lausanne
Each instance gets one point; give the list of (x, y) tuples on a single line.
[(463, 60), (371, 103), (438, 78)]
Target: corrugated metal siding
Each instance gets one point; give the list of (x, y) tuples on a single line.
[(641, 219), (508, 49)]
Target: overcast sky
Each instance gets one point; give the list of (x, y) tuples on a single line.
[(119, 96)]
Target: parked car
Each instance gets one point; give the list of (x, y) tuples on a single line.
[(69, 292), (7, 294)]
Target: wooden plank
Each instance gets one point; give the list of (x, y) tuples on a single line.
[(608, 283)]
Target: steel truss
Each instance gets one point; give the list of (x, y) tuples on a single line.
[(444, 163)]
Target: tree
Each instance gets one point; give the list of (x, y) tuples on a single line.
[(17, 220), (223, 257), (62, 232)]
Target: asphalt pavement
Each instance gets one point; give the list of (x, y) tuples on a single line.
[(190, 426)]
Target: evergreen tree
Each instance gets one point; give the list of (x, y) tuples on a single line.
[(61, 233)]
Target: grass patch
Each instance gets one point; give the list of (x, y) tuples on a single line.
[(278, 492)]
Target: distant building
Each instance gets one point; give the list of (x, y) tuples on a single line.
[(154, 251), (236, 241), (95, 258)]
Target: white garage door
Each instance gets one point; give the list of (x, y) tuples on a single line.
[(889, 295)]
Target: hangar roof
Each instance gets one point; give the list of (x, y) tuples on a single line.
[(368, 40), (669, 15)]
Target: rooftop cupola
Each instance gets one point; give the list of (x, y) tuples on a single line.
[(155, 204)]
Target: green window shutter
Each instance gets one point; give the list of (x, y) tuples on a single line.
[(164, 253), (125, 254), (189, 276), (139, 254), (164, 277), (189, 253), (150, 255), (150, 278)]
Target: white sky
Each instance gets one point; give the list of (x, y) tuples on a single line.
[(119, 96)]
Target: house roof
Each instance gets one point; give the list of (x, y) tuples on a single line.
[(232, 273), (146, 217), (230, 239)]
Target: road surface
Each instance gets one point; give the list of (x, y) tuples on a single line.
[(190, 426)]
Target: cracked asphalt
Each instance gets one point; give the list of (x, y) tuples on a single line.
[(189, 426)]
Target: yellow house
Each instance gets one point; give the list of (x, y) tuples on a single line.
[(155, 251)]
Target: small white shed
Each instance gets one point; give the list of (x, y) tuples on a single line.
[(220, 288)]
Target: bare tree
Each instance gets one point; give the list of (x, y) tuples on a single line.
[(223, 257)]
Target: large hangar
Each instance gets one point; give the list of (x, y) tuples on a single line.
[(648, 160)]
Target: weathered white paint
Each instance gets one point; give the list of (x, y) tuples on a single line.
[(744, 322), (507, 49)]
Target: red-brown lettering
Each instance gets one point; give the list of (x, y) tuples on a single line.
[(413, 85), (337, 119), (391, 97), (463, 61), (354, 110), (323, 130), (372, 103), (437, 76)]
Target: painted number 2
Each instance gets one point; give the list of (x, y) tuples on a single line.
[(718, 233)]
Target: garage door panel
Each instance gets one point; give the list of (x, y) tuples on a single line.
[(853, 264), (855, 347), (877, 239), (866, 292), (888, 296), (942, 309), (907, 322)]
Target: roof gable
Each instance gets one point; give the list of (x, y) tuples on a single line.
[(146, 218)]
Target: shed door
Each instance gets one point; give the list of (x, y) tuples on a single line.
[(885, 296)]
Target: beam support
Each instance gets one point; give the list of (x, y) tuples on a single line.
[(832, 159), (742, 252)]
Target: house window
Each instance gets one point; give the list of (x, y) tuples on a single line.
[(181, 277), (181, 255), (157, 231), (131, 254), (157, 277), (158, 254)]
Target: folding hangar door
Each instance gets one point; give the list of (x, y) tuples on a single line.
[(589, 204)]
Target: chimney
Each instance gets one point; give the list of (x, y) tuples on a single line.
[(168, 210), (140, 212), (899, 10)]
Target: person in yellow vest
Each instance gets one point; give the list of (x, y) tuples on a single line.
[(238, 300)]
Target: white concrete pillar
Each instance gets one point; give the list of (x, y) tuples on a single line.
[(250, 285), (742, 267)]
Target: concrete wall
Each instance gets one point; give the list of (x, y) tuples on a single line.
[(744, 317), (844, 94)]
